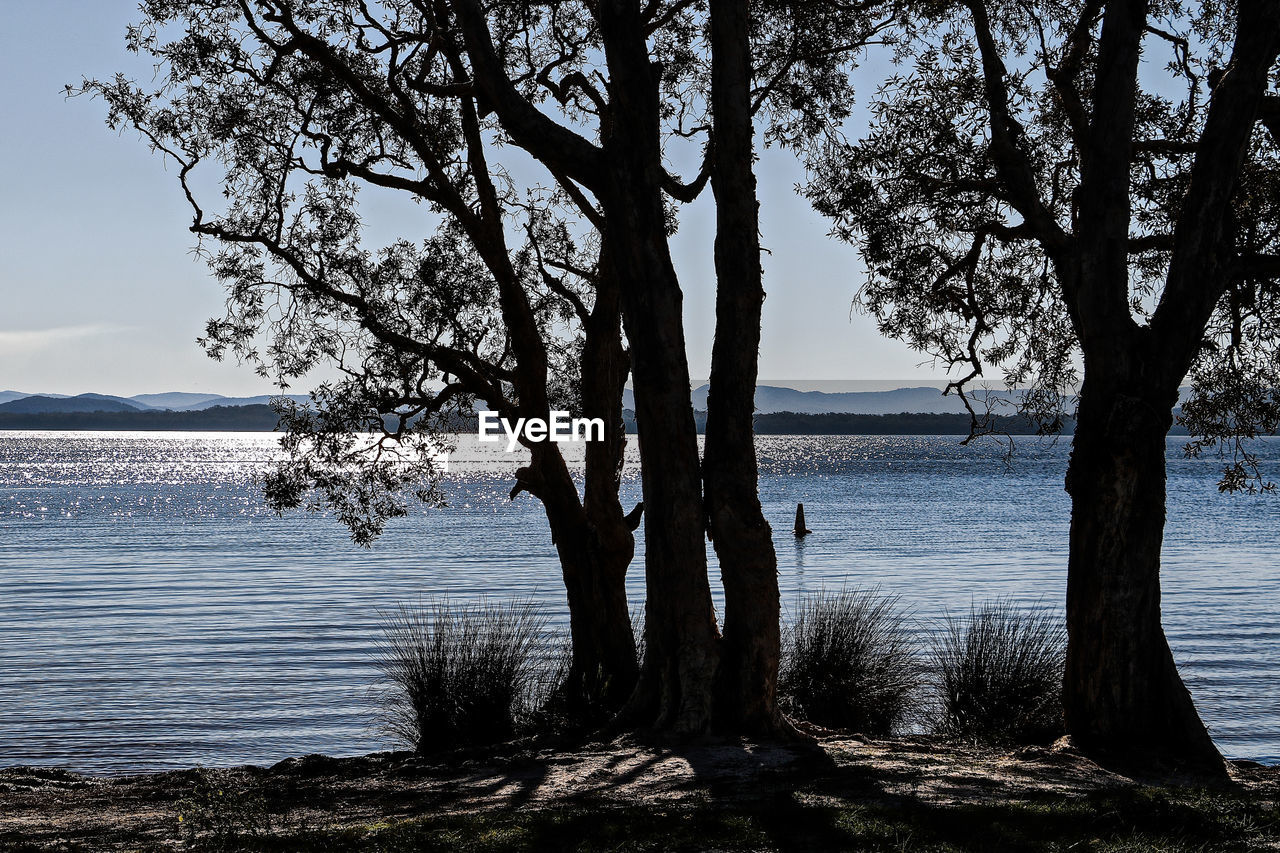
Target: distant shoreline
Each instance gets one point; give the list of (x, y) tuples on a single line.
[(254, 418), (262, 418)]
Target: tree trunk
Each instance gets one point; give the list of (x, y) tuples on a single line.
[(747, 684), (610, 680), (594, 555), (1123, 697), (676, 682), (602, 672)]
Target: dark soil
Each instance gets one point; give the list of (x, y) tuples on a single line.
[(646, 795)]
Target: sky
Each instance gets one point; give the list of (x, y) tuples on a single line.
[(100, 292)]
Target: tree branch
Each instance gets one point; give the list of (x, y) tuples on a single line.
[(1201, 265), (1010, 157), (553, 144), (1257, 267)]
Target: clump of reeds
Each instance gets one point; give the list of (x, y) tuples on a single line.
[(849, 662), (560, 710), (460, 675), (999, 674)]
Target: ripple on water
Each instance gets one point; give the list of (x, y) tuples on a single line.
[(155, 614)]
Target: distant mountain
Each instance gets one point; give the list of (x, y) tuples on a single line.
[(772, 398), (84, 403), (112, 399), (175, 399), (9, 396), (261, 400)]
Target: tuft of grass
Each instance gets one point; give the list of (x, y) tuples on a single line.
[(849, 663), (219, 814), (460, 675), (999, 675), (552, 712)]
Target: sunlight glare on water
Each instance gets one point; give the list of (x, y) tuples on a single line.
[(155, 614)]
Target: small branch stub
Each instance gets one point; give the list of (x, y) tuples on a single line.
[(801, 530)]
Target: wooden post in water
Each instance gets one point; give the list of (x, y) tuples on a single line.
[(800, 530)]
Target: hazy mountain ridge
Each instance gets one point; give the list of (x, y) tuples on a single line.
[(175, 399), (773, 399), (770, 399), (41, 404), (18, 402)]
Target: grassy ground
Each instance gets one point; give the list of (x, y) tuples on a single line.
[(905, 795), (1141, 820)]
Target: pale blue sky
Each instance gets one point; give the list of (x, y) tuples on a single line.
[(100, 291)]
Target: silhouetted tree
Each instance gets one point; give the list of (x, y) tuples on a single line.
[(298, 102), (290, 111), (1034, 194)]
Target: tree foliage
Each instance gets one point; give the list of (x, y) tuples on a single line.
[(280, 114), (964, 199)]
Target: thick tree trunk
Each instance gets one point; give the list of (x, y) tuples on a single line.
[(747, 684), (675, 691), (594, 555), (605, 365), (603, 669), (1123, 697)]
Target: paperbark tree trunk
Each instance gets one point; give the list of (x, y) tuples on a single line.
[(609, 678), (1123, 697), (750, 651), (675, 691)]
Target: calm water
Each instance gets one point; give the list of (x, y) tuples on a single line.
[(154, 615)]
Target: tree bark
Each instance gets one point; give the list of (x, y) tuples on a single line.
[(675, 691), (1123, 697), (595, 549), (747, 683), (605, 366)]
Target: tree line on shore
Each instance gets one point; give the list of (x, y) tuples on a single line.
[(263, 418), (1033, 194)]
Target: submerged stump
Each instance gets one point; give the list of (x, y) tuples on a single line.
[(800, 529)]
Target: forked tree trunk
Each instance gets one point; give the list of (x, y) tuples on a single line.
[(675, 691), (750, 651), (593, 537), (1123, 697)]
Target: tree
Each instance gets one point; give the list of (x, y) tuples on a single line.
[(291, 124), (419, 96), (1034, 194), (653, 74), (735, 520)]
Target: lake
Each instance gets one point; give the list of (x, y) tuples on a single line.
[(154, 614)]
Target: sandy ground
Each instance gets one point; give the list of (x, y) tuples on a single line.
[(43, 809)]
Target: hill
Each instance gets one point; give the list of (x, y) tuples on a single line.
[(82, 403), (775, 398), (175, 399)]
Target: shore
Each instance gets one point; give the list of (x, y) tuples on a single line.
[(840, 794)]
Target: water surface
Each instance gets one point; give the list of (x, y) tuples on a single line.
[(154, 614)]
